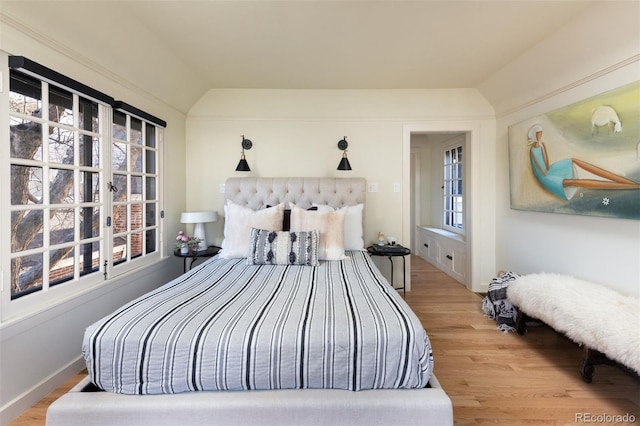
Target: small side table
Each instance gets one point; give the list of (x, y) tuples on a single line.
[(195, 255), (400, 251)]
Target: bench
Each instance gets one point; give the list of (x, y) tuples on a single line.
[(603, 321)]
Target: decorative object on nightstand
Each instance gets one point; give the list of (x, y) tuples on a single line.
[(243, 166), (199, 219), (185, 243), (182, 242), (344, 162), (391, 251), (380, 238)]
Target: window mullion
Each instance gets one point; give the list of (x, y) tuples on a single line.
[(76, 187), (127, 179), (45, 196), (106, 152), (159, 162), (143, 189)]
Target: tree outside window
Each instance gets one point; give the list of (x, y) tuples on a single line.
[(72, 176)]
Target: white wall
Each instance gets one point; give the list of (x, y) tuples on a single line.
[(295, 133), (575, 64), (39, 352), (106, 39)]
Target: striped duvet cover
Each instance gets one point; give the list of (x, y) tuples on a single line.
[(226, 325)]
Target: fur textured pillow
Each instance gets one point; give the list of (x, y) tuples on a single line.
[(330, 226), (283, 248), (238, 223), (353, 228)]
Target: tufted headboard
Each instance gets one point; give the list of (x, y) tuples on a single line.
[(256, 193)]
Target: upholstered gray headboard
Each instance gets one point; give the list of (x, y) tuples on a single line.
[(256, 193)]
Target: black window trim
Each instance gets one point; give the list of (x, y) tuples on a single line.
[(131, 110), (34, 69)]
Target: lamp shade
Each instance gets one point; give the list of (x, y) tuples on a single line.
[(199, 219), (344, 163), (243, 166)]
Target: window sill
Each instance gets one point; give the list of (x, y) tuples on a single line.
[(23, 323), (447, 234)]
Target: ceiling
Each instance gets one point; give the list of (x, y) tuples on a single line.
[(322, 44), (350, 44)]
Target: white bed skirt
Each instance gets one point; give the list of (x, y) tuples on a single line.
[(429, 406)]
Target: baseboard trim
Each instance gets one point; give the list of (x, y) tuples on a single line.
[(20, 404)]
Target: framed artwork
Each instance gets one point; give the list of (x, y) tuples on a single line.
[(581, 159)]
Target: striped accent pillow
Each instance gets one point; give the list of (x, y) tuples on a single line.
[(283, 248)]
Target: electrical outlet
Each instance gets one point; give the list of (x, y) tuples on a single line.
[(222, 188), (372, 187), (396, 187)]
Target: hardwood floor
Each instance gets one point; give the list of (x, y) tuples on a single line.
[(497, 378), (491, 377)]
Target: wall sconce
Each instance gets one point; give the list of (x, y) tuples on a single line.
[(199, 218), (243, 166), (344, 162)]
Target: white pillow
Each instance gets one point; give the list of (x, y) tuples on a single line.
[(329, 224), (353, 229), (239, 220)]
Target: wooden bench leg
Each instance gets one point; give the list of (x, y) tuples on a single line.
[(590, 358), (586, 366), (521, 322)]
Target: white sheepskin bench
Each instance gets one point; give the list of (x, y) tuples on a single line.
[(592, 315)]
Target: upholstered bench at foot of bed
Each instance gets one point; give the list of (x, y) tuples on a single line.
[(428, 406), (604, 322)]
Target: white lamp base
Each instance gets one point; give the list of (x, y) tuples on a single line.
[(198, 232)]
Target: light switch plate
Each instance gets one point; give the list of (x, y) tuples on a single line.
[(372, 187)]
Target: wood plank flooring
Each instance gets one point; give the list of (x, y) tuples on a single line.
[(491, 377)]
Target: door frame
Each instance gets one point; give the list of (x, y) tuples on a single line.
[(480, 210)]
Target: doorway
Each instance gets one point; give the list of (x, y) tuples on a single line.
[(480, 208), (427, 178), (438, 200)]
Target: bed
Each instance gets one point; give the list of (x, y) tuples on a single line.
[(291, 325)]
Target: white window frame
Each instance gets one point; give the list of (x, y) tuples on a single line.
[(52, 295), (115, 268), (453, 203)]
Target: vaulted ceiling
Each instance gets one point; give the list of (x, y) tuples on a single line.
[(176, 50)]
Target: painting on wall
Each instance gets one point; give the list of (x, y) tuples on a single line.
[(581, 159)]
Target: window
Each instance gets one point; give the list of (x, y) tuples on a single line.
[(55, 199), (83, 190), (453, 210), (134, 187)]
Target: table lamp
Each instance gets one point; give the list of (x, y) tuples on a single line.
[(199, 219)]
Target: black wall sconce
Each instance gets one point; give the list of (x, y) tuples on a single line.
[(344, 161), (243, 166)]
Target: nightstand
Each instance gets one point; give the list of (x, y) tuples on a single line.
[(195, 255), (391, 252)]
